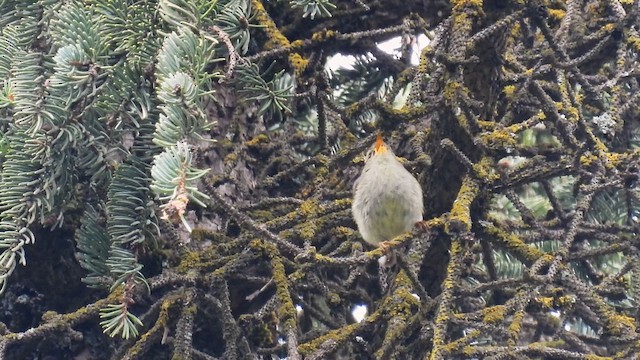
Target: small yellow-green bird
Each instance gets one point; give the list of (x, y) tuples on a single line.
[(388, 199)]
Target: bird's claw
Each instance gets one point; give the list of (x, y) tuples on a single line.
[(385, 246), (422, 225)]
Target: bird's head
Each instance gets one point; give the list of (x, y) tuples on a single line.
[(380, 146)]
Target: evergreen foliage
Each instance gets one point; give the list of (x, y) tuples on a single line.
[(201, 155)]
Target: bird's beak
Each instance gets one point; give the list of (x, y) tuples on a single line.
[(381, 147)]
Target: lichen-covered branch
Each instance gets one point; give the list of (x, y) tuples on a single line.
[(518, 118)]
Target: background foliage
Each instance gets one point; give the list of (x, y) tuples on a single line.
[(176, 178)]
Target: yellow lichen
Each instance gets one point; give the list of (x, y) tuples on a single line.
[(499, 138), (544, 344), (401, 305), (308, 231), (624, 321), (556, 14), (424, 59), (339, 335), (270, 27), (257, 140), (565, 301), (286, 310), (460, 4), (509, 91), (323, 35), (515, 30), (469, 350), (231, 157), (588, 159), (276, 38), (450, 90), (443, 313), (484, 170), (334, 298), (486, 125), (297, 43), (494, 314), (634, 41), (188, 261), (597, 357), (573, 114), (541, 115), (515, 327), (545, 302), (525, 252), (459, 344), (614, 159), (262, 215), (309, 207), (460, 216), (299, 63)]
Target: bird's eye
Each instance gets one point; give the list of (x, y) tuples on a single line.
[(368, 155)]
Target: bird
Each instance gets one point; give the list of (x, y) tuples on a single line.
[(387, 198)]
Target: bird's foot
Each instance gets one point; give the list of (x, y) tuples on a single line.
[(389, 257), (422, 225), (385, 246)]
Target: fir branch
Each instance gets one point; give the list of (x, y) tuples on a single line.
[(185, 86), (130, 219), (172, 175), (272, 96), (93, 245), (234, 20), (313, 8)]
